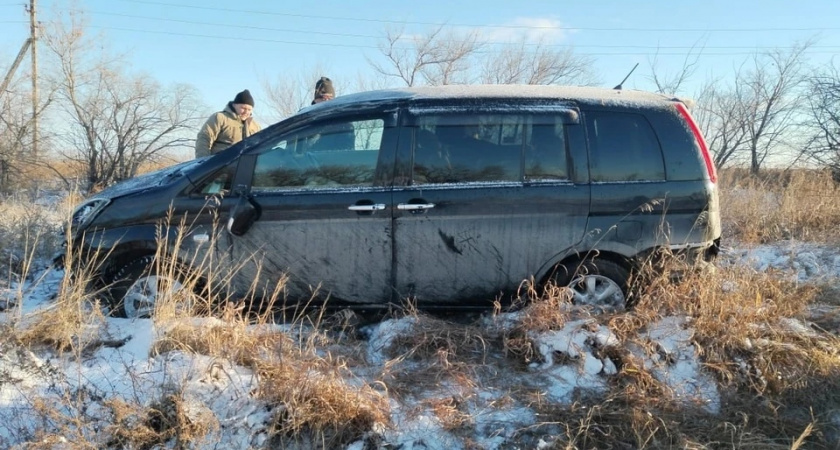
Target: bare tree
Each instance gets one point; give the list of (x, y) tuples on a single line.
[(451, 57), (365, 82), (14, 132), (16, 121), (286, 94), (756, 118), (769, 97), (435, 58), (673, 83), (524, 63), (117, 121), (718, 113), (824, 118)]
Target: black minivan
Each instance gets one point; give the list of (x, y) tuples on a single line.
[(448, 196)]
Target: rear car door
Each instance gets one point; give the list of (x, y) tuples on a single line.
[(325, 222), (491, 197), (630, 195)]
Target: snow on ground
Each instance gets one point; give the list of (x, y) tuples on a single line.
[(223, 392), (803, 262)]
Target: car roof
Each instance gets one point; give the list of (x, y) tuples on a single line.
[(423, 94)]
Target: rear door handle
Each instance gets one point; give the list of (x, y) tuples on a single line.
[(415, 206), (373, 207)]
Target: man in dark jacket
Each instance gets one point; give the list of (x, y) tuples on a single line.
[(227, 127)]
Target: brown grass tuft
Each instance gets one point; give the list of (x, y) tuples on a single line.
[(310, 391), (797, 204), (312, 396), (436, 351), (452, 412), (169, 419)]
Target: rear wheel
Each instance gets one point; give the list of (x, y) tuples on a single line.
[(599, 283), (137, 287)]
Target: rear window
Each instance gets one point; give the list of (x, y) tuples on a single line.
[(623, 147)]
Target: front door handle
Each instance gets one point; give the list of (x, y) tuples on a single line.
[(415, 206), (373, 207)]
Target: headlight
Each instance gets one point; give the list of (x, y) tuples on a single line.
[(87, 211)]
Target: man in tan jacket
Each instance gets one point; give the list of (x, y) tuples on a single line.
[(227, 127)]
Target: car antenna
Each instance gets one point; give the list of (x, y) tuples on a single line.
[(625, 78)]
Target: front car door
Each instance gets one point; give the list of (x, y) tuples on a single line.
[(325, 224), (492, 197)]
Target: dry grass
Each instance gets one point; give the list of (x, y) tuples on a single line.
[(436, 352), (310, 391), (49, 171), (170, 419), (797, 204), (780, 383)]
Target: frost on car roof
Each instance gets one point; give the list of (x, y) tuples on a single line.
[(582, 94)]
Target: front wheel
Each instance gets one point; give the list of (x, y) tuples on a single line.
[(598, 283), (139, 286)]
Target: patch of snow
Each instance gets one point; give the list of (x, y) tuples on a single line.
[(677, 363), (804, 262), (383, 334), (576, 345)]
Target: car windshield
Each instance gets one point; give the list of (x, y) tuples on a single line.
[(155, 178)]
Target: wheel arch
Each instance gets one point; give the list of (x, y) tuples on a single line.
[(119, 246), (573, 257)]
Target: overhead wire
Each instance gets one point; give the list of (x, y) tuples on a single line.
[(327, 33), (530, 27), (334, 44)]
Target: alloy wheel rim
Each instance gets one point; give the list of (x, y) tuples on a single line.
[(598, 291)]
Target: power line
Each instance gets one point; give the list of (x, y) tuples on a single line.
[(333, 44), (527, 27), (238, 38), (250, 27), (325, 33)]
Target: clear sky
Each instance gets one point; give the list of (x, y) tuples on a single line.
[(222, 47)]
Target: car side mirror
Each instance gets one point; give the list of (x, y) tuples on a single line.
[(243, 215)]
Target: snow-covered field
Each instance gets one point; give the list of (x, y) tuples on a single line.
[(78, 386)]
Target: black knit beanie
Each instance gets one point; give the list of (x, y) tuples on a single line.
[(244, 98)]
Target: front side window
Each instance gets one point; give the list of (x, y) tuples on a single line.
[(219, 182), (623, 147), (331, 155), (488, 148)]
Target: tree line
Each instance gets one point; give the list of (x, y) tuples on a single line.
[(107, 122)]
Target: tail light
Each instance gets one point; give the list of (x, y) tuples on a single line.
[(698, 136)]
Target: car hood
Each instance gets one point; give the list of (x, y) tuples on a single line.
[(149, 180)]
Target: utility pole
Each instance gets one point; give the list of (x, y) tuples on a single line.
[(33, 36)]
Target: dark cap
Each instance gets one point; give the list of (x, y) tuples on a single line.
[(324, 86), (244, 98)]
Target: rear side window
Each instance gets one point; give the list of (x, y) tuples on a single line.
[(488, 148), (623, 147), (545, 153)]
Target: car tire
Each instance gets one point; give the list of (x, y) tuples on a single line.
[(598, 283), (135, 287)]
